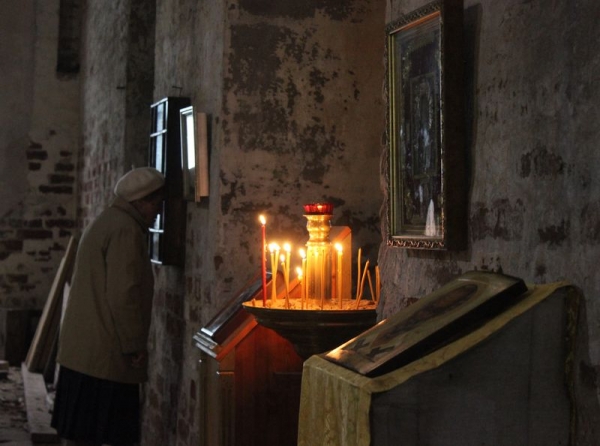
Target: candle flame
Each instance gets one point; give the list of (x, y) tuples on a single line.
[(282, 258), (299, 272), (262, 219), (338, 246), (271, 247), (287, 247), (302, 253)]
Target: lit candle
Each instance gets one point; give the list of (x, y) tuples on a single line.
[(373, 298), (299, 272), (338, 274), (362, 284), (322, 274), (263, 264), (274, 250), (377, 284), (358, 276), (315, 270), (288, 250), (282, 261), (304, 273), (285, 280)]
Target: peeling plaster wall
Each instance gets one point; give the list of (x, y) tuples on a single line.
[(303, 110), (39, 112), (532, 129), (293, 96)]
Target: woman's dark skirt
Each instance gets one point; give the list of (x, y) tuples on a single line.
[(96, 410)]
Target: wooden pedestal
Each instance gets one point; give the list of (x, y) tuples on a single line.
[(250, 380)]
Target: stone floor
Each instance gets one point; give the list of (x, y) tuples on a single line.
[(13, 413)]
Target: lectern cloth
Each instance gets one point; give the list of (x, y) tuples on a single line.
[(335, 401)]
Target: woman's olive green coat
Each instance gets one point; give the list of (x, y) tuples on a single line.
[(109, 308)]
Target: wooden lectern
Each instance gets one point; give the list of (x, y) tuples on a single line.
[(250, 379), (444, 372)]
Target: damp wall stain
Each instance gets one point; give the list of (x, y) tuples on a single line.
[(273, 74), (298, 10), (542, 163), (555, 235), (502, 220), (296, 118), (590, 220)]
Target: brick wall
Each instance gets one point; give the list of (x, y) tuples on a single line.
[(38, 147)]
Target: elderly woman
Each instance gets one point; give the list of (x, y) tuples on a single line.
[(103, 339)]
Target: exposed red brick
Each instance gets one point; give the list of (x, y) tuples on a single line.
[(11, 245), (34, 166), (64, 167), (57, 247), (61, 179), (36, 223), (37, 155), (13, 223), (56, 189), (38, 234), (43, 255), (60, 223), (17, 278)]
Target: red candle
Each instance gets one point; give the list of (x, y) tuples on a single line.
[(263, 265)]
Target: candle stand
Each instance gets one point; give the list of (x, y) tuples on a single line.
[(314, 331), (252, 351), (317, 314)]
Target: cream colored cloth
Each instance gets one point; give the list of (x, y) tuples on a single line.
[(138, 183), (108, 314), (335, 402)]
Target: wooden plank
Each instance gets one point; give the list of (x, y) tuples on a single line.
[(38, 416), (40, 351)]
